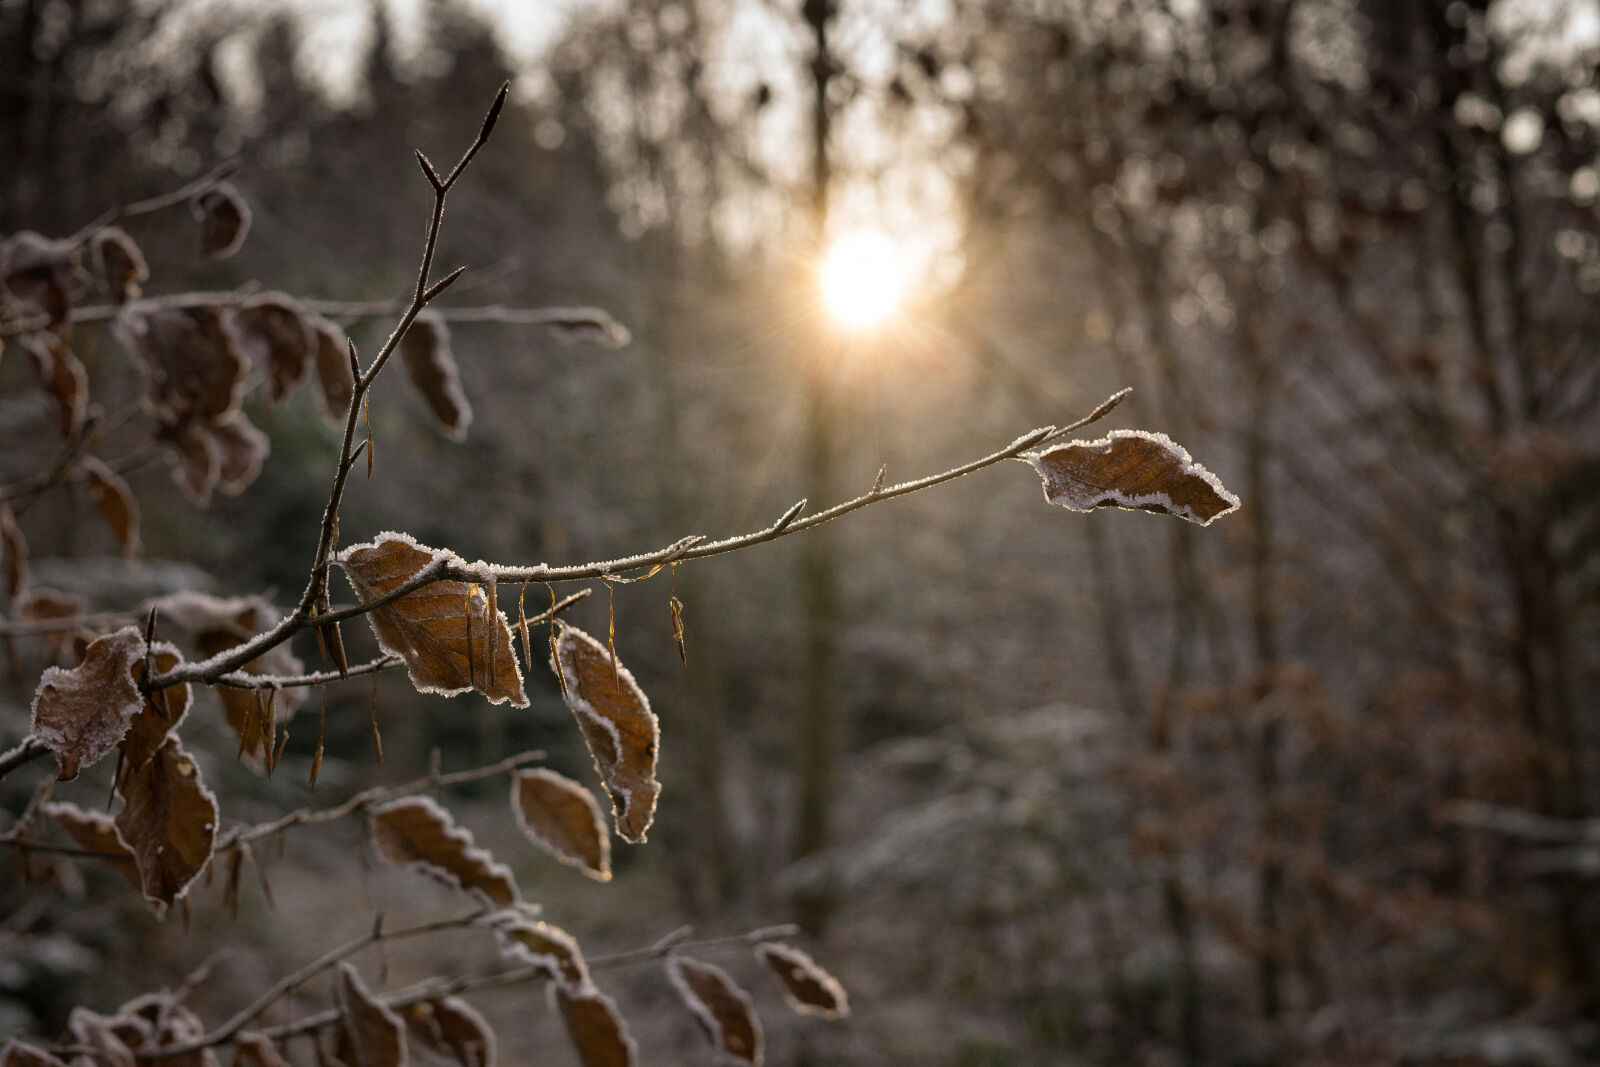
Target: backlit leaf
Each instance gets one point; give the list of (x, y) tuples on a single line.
[(335, 380), (809, 989), (275, 335), (14, 549), (169, 820), (118, 263), (451, 1029), (596, 1030), (371, 1034), (620, 729), (722, 1009), (116, 502), (190, 364), (1131, 469), (562, 817), (40, 273), (82, 713), (417, 832), (445, 631), (61, 377), (224, 220), (431, 366), (97, 832), (545, 946)]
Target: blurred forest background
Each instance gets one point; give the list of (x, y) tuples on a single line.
[(1314, 785)]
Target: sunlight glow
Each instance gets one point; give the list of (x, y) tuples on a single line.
[(862, 279)]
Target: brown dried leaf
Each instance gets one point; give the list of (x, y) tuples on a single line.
[(161, 714), (620, 729), (596, 1030), (445, 631), (585, 326), (336, 381), (219, 624), (809, 989), (43, 605), (40, 273), (417, 832), (20, 1054), (240, 450), (431, 366), (14, 547), (546, 946), (82, 713), (451, 1028), (96, 1032), (155, 1021), (192, 369), (116, 502), (563, 818), (61, 376), (1131, 469), (97, 832), (370, 1034), (722, 1009), (275, 334), (224, 220), (169, 820), (118, 264), (195, 457), (251, 1049)]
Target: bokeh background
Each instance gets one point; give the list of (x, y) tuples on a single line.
[(1311, 785)]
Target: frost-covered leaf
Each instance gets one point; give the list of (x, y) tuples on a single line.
[(61, 377), (169, 820), (618, 726), (563, 818), (195, 457), (445, 631), (595, 1028), (95, 1032), (118, 264), (722, 1009), (224, 220), (14, 550), (546, 946), (431, 366), (82, 713), (370, 1033), (452, 1030), (40, 273), (275, 334), (97, 832), (1131, 469), (189, 362), (809, 989), (21, 1054), (417, 832), (116, 502), (585, 326), (335, 381), (155, 1021), (251, 1049)]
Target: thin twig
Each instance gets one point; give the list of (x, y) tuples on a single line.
[(28, 749), (181, 195), (369, 798)]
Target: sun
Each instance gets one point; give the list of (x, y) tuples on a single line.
[(862, 279)]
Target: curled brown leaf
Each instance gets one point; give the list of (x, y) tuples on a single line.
[(621, 731), (118, 263), (335, 380), (370, 1033), (81, 714), (809, 989), (41, 273), (224, 220), (596, 1029), (431, 367), (61, 377), (418, 833), (169, 820), (1131, 469), (116, 503), (722, 1009), (275, 334)]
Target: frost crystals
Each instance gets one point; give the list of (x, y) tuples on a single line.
[(809, 989), (1131, 469), (417, 832)]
